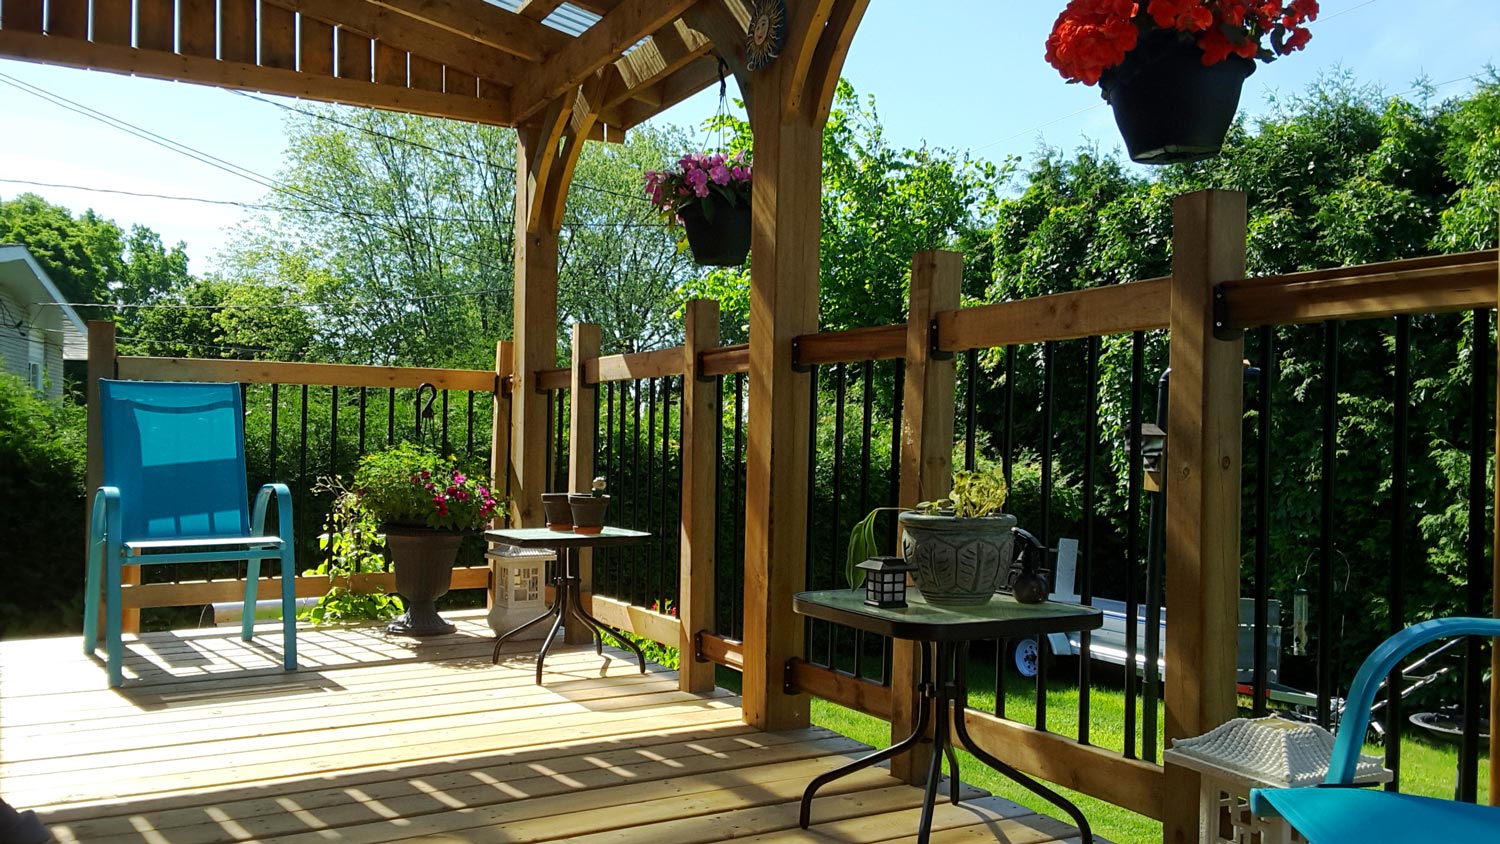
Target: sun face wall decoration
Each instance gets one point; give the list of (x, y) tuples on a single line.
[(767, 31)]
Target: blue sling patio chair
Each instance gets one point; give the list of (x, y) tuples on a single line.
[(1337, 812), (175, 492)]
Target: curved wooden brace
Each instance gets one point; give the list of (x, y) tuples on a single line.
[(585, 113), (539, 178), (828, 60), (804, 30)]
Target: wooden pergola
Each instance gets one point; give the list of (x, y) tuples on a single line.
[(561, 74)]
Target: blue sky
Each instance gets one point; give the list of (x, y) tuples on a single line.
[(959, 74)]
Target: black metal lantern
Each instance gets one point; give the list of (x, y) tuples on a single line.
[(885, 581)]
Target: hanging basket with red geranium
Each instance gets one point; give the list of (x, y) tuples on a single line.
[(710, 195), (1172, 69)]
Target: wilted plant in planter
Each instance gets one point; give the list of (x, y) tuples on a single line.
[(710, 195), (960, 544), (425, 504), (352, 545)]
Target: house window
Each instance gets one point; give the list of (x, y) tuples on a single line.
[(36, 371)]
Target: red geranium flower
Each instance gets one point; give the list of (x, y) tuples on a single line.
[(1092, 36)]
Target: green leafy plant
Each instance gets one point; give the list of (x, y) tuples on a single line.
[(352, 546), (408, 485), (976, 493)]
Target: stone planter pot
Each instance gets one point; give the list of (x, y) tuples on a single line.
[(557, 510), (723, 241), (423, 558), (588, 512), (1168, 106), (960, 562)]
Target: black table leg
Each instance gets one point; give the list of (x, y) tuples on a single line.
[(959, 716), (917, 735), (568, 599)]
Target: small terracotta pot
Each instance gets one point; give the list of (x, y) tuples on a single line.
[(558, 513), (588, 512)]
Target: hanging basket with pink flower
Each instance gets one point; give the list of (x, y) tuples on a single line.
[(709, 194), (1172, 70)]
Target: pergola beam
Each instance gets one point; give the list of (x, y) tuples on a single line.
[(71, 52), (615, 33), (413, 36), (487, 24)]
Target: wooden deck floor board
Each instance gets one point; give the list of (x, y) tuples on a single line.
[(379, 739)]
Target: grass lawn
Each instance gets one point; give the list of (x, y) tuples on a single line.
[(1427, 767)]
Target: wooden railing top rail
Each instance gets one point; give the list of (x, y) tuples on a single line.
[(725, 360), (880, 342), (1097, 311), (553, 379), (1434, 284), (1416, 285), (284, 372), (654, 364)]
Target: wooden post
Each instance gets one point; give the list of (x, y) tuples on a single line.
[(101, 364), (535, 325), (1204, 420), (700, 505), (499, 452), (926, 461), (581, 426)]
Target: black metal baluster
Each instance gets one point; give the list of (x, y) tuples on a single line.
[(867, 397), (662, 578), (1084, 565), (1044, 527), (275, 427), (1326, 664), (469, 425), (722, 611), (390, 416), (898, 392), (447, 446), (738, 592), (1474, 702), (550, 444), (333, 430), (636, 567), (1008, 411), (364, 398), (608, 556), (840, 395), (1401, 431), (810, 626), (647, 554), (302, 484), (1155, 581), (971, 404), (1133, 539), (1267, 384)]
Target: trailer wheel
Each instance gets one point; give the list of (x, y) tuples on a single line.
[(1025, 657)]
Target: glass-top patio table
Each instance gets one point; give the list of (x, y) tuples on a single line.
[(568, 598), (943, 635)]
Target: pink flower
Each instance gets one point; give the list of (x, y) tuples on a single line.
[(720, 174), (741, 174), (461, 495), (430, 486), (698, 179), (425, 474), (458, 479)]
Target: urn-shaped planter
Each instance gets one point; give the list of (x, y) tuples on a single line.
[(960, 562), (1169, 107), (557, 510), (721, 237), (588, 512), (423, 559)]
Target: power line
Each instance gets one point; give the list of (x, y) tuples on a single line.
[(427, 147), (259, 206)]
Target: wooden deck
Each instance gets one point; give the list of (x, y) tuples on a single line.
[(382, 739)]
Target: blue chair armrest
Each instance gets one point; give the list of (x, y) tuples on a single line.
[(106, 510), (283, 509), (1385, 658)]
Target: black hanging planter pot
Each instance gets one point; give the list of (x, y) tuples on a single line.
[(723, 241), (1171, 108)]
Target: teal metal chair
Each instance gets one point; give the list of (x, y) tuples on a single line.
[(1337, 812), (175, 492)]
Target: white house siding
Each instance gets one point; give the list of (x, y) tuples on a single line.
[(15, 342)]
